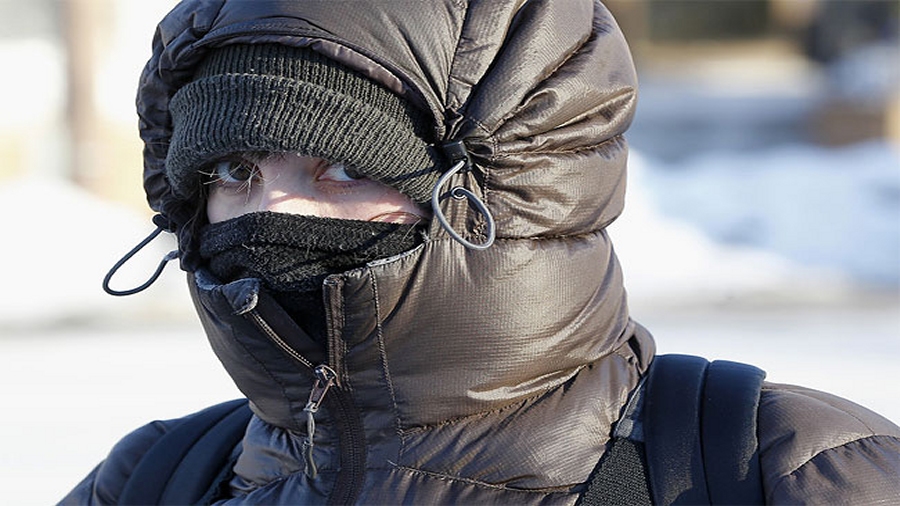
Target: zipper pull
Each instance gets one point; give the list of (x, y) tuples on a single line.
[(325, 378)]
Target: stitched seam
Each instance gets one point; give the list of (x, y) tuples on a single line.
[(488, 193), (799, 468), (424, 428), (555, 237), (382, 351), (872, 432), (447, 477), (484, 130), (279, 481), (582, 149), (462, 28)]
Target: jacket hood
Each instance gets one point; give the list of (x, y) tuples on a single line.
[(539, 92), (445, 347)]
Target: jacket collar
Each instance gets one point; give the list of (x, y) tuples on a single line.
[(432, 335)]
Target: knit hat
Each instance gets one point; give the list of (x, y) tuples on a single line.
[(276, 98)]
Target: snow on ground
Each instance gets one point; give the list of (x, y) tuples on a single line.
[(835, 209), (668, 260), (71, 393), (61, 241), (791, 292)]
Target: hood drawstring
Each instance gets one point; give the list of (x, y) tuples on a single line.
[(161, 225), (458, 155)]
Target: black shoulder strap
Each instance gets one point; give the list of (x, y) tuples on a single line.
[(730, 407), (185, 463), (700, 431), (672, 429), (690, 431)]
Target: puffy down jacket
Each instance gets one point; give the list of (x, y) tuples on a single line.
[(465, 376)]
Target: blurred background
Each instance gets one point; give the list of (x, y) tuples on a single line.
[(762, 221)]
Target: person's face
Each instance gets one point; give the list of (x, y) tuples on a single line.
[(294, 184)]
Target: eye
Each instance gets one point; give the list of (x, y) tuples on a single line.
[(339, 172), (229, 172), (233, 171)]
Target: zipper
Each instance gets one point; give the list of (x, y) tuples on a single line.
[(351, 434), (325, 378), (270, 333), (334, 320)]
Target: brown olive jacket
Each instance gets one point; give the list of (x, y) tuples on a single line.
[(466, 376)]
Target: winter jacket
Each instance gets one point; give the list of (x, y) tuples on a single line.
[(465, 376)]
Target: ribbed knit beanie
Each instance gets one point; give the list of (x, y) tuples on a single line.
[(276, 98)]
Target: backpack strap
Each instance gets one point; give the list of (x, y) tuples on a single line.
[(700, 431), (188, 461), (672, 429), (687, 436), (730, 407)]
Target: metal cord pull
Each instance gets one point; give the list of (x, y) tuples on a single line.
[(162, 264), (460, 192)]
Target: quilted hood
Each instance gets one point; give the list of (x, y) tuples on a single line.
[(539, 92)]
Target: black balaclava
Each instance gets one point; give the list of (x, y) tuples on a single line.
[(292, 255)]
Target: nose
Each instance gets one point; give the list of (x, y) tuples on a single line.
[(281, 195)]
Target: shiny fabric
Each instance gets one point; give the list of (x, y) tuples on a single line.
[(466, 377)]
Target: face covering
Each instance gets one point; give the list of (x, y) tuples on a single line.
[(293, 254)]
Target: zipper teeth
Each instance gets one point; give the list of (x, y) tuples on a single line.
[(332, 286), (278, 340), (353, 444)]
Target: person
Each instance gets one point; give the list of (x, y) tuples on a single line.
[(392, 215)]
